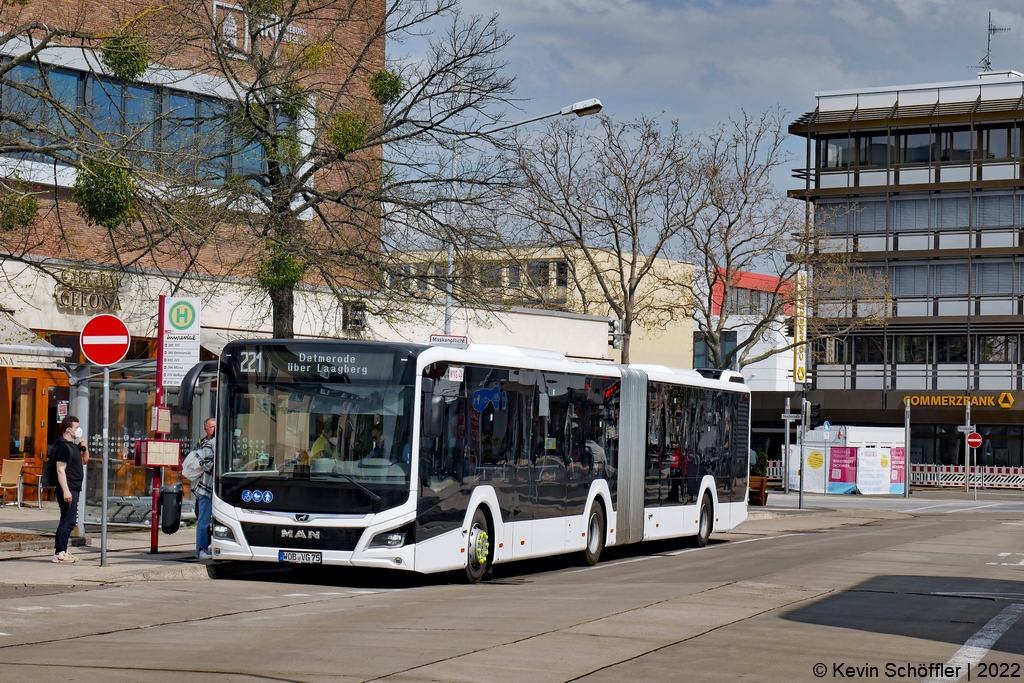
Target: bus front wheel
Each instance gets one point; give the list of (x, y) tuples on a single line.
[(479, 547), (595, 535), (704, 523)]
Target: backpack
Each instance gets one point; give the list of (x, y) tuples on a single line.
[(48, 477), (192, 467)]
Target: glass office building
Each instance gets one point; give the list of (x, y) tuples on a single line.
[(923, 184)]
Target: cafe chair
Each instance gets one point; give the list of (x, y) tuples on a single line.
[(10, 478)]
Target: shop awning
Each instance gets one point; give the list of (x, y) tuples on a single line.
[(20, 347)]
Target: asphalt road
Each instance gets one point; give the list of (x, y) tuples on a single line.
[(924, 589)]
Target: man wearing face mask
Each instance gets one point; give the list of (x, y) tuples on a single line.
[(69, 458), (325, 444)]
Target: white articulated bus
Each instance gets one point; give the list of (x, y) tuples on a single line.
[(430, 458)]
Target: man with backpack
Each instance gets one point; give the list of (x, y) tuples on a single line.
[(67, 459), (199, 463)]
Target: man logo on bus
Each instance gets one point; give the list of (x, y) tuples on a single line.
[(181, 315)]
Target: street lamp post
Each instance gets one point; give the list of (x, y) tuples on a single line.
[(581, 108)]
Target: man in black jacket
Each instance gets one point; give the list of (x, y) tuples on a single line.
[(69, 458)]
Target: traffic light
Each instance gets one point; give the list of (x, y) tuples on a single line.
[(615, 333), (815, 414)]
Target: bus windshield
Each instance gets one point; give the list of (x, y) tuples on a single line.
[(318, 435)]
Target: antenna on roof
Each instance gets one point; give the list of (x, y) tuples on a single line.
[(986, 61)]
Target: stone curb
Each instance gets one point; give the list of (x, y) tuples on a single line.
[(754, 515), (185, 572), (15, 546)]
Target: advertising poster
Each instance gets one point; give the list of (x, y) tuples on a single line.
[(873, 472), (897, 469), (814, 474), (842, 469)]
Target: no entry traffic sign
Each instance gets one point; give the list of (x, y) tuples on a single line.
[(105, 339), (974, 440)]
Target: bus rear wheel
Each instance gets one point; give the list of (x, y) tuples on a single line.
[(595, 535), (704, 522), (479, 547)]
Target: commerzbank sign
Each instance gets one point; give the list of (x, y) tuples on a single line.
[(1003, 400)]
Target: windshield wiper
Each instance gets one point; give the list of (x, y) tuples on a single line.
[(373, 496)]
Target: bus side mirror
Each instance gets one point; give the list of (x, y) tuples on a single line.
[(433, 416), (187, 390)]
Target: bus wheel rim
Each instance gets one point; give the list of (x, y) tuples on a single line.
[(481, 545), (594, 532)]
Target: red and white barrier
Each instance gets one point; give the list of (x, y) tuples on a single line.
[(951, 476)]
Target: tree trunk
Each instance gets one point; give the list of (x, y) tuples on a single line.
[(624, 351), (283, 302)]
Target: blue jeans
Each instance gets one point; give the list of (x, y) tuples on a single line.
[(204, 508), (68, 519)]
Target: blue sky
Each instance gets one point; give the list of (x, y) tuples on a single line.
[(700, 60)]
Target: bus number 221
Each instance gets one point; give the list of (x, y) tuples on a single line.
[(252, 361)]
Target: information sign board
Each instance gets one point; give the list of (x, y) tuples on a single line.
[(179, 338)]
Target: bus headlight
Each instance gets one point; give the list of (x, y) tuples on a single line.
[(396, 538), (223, 532), (388, 539)]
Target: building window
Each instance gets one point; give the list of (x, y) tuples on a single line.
[(869, 350), (874, 150), (702, 354), (955, 145), (749, 301), (950, 349), (991, 348), (190, 133), (998, 143), (539, 273), (834, 152), (913, 349), (916, 148)]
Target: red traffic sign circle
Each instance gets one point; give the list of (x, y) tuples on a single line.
[(974, 440), (105, 339)]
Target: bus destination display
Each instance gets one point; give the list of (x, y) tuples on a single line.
[(271, 362)]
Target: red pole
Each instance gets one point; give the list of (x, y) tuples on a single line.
[(154, 534)]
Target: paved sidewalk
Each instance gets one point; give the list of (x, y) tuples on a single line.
[(128, 556)]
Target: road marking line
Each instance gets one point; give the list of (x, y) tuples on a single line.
[(5, 634), (971, 509), (297, 595), (974, 594), (615, 564), (745, 540), (978, 645), (929, 507)]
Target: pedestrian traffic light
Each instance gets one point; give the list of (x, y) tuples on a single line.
[(815, 414), (615, 333)]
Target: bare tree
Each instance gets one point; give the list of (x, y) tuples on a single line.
[(312, 155), (751, 246), (611, 201)]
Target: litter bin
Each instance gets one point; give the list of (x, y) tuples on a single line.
[(170, 508)]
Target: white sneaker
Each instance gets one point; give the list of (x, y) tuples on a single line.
[(203, 555), (68, 557), (60, 558)]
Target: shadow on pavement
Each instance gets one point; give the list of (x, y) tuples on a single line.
[(523, 571), (940, 609)]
